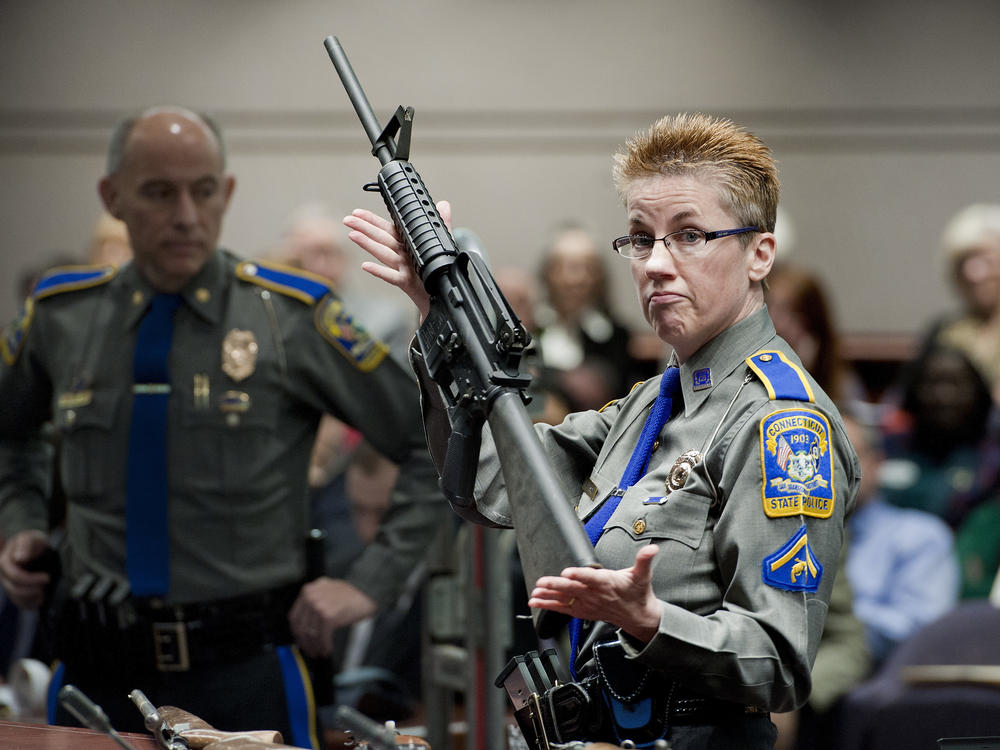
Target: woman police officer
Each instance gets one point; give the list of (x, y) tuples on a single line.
[(719, 539)]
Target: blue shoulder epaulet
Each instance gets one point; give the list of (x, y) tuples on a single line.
[(293, 282), (70, 278), (783, 378)]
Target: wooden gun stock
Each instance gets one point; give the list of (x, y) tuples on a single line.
[(199, 734)]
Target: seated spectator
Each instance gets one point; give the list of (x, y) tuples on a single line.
[(901, 562), (977, 542), (579, 336), (549, 402), (971, 246), (312, 242), (109, 243), (942, 451), (803, 317), (377, 659)]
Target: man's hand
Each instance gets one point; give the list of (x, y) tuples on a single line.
[(378, 237), (323, 606), (24, 587), (621, 597)]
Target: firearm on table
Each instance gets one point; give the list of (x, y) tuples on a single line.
[(176, 729), (374, 735), (472, 344)]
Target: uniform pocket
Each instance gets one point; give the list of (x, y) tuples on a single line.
[(682, 517), (90, 457)]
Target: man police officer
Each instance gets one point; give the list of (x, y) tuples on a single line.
[(186, 388)]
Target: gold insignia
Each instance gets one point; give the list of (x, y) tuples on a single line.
[(137, 298), (201, 389), (239, 354), (678, 475), (74, 399), (639, 526), (589, 488), (202, 295)]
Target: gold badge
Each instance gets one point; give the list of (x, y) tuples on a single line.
[(239, 354), (678, 475)]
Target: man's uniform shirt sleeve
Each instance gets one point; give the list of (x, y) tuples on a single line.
[(26, 454), (349, 375)]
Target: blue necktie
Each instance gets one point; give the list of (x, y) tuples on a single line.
[(636, 469), (147, 539)]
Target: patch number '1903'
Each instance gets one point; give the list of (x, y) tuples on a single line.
[(796, 464)]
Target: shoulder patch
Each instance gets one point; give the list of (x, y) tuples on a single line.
[(292, 282), (794, 567), (783, 378), (15, 333), (796, 464), (355, 343), (71, 278)]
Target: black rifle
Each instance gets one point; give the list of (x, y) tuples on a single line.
[(472, 344)]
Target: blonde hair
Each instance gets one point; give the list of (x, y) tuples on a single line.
[(714, 147)]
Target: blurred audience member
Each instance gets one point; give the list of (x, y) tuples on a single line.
[(312, 241), (350, 484), (977, 542), (803, 317), (901, 562), (579, 336), (971, 246), (942, 451), (109, 243), (549, 401)]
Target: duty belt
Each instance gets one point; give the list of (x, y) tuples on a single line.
[(176, 637)]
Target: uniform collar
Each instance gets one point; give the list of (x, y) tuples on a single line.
[(203, 294), (723, 355)]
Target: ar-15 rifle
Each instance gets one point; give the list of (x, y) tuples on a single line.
[(472, 344)]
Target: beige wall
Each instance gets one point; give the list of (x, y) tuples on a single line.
[(885, 116)]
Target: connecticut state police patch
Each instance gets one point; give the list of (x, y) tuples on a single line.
[(796, 464), (13, 335), (339, 328)]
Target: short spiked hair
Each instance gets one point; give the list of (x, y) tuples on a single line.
[(713, 147)]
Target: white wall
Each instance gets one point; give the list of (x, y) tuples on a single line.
[(885, 116)]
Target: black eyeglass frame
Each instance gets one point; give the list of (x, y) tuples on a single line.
[(619, 242)]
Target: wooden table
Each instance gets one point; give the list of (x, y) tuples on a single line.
[(19, 736)]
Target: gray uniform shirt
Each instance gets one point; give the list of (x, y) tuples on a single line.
[(238, 442), (724, 630)]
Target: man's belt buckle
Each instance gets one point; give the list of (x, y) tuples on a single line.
[(171, 647)]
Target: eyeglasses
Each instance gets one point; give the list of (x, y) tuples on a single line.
[(686, 243)]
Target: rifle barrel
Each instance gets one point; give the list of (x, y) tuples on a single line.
[(384, 152)]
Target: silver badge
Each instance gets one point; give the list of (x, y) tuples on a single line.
[(679, 472)]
